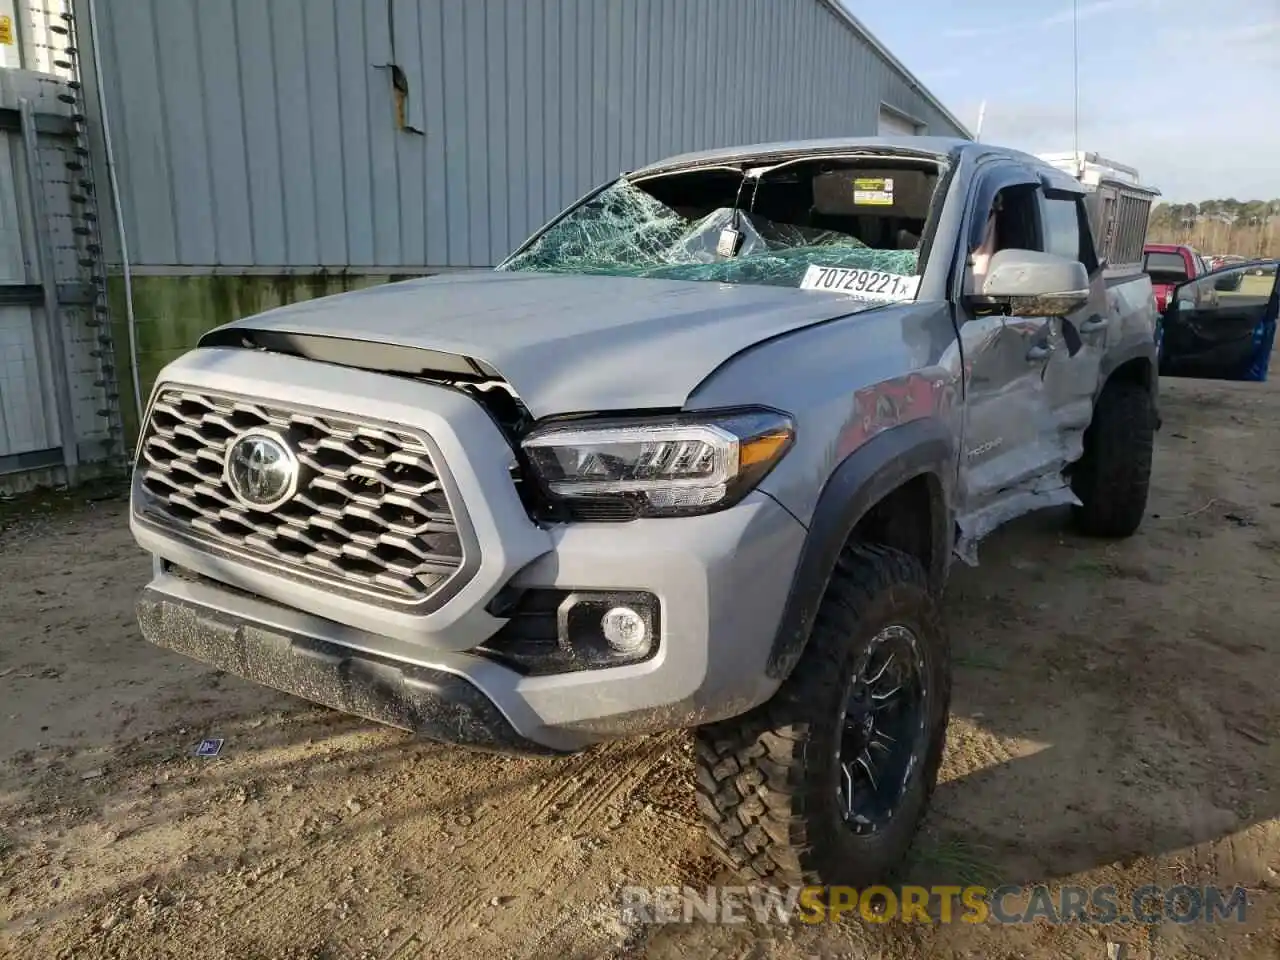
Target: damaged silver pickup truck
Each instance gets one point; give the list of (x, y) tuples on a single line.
[(697, 455)]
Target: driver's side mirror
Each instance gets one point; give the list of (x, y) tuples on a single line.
[(1228, 282), (1033, 284)]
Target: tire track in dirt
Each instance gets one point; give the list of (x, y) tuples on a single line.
[(608, 781), (561, 825), (333, 873), (368, 855), (349, 860)]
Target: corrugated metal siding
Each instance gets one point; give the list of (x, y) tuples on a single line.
[(29, 420), (41, 49), (254, 134)]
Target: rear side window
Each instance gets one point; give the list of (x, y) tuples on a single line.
[(1066, 230), (1061, 229), (1169, 267)]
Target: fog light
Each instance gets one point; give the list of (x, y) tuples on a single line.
[(625, 630)]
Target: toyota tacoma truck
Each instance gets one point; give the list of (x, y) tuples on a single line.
[(698, 454)]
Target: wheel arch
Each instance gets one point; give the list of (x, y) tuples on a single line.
[(1136, 365), (894, 490), (1134, 369)]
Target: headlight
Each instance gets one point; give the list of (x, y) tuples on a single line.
[(663, 466)]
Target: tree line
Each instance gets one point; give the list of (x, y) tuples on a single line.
[(1249, 228), (1250, 213)]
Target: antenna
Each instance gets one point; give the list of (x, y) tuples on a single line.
[(982, 112), (1075, 76)]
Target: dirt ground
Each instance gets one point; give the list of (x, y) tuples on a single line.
[(1114, 722)]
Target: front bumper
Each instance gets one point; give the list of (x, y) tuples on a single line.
[(721, 580), (432, 703)]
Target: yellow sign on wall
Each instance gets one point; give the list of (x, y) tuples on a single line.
[(6, 31)]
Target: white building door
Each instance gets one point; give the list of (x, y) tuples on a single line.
[(895, 125)]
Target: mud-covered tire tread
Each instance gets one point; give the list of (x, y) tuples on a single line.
[(1113, 477), (751, 771)]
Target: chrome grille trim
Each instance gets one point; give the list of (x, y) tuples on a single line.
[(371, 516)]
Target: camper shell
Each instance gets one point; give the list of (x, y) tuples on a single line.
[(1118, 203)]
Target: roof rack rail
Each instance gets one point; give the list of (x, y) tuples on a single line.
[(1091, 168)]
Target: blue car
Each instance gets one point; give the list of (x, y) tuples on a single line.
[(1221, 326)]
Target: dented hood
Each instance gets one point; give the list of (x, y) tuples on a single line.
[(566, 344)]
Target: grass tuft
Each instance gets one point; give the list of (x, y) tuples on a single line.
[(977, 661), (954, 859)]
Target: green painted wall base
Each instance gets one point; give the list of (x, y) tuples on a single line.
[(171, 313)]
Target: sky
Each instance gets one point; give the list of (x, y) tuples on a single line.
[(1187, 91)]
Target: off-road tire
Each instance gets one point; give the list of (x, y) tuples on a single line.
[(767, 781), (1113, 477)]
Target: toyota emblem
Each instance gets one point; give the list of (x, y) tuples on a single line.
[(261, 470)]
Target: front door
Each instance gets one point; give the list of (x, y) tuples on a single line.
[(1008, 439), (1221, 326), (1079, 339)]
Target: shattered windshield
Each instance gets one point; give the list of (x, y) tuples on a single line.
[(626, 230)]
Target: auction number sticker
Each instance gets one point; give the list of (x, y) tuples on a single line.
[(862, 284)]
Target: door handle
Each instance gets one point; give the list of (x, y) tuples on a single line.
[(1039, 352)]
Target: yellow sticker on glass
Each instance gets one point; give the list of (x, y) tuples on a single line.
[(873, 191)]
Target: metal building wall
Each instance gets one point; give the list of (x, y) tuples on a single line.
[(269, 135), (59, 417)]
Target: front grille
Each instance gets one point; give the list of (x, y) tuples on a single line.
[(370, 515)]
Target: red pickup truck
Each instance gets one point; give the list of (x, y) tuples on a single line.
[(1169, 265)]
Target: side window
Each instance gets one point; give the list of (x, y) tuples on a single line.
[(1066, 229), (1193, 293), (1015, 220), (1061, 228), (1004, 207), (1165, 267), (1011, 221), (1245, 286), (1088, 245), (1203, 292)]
